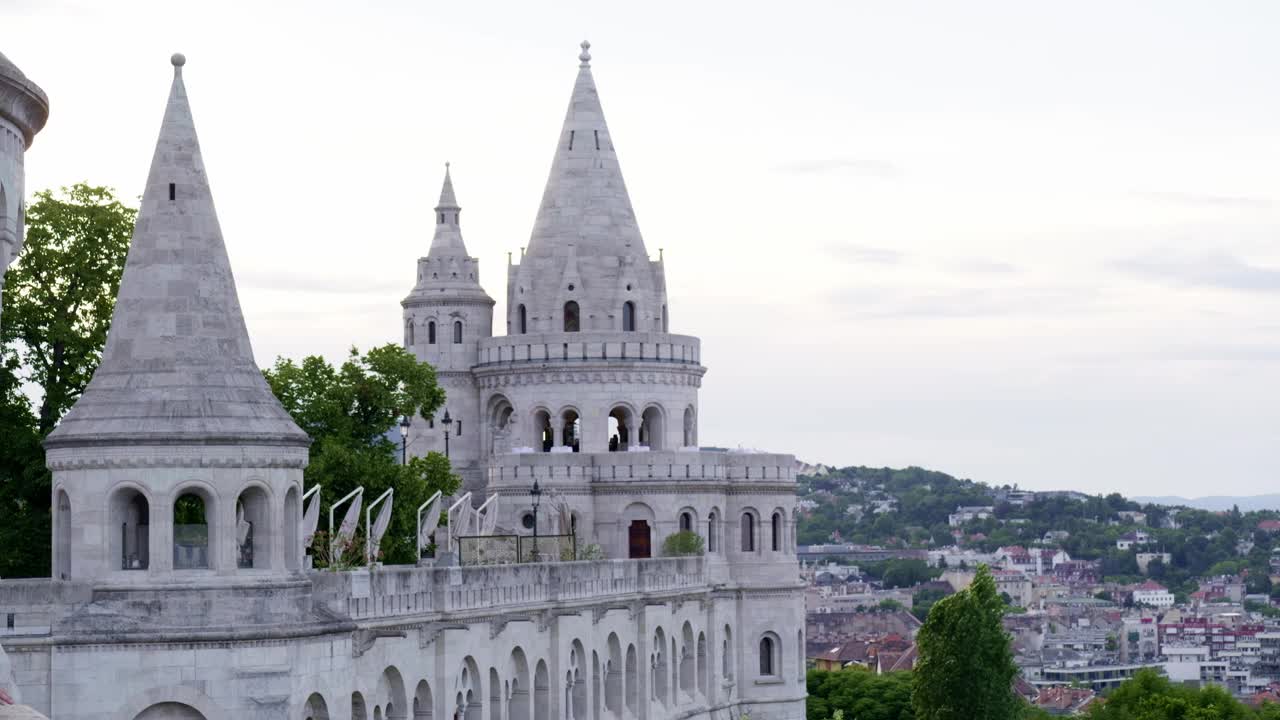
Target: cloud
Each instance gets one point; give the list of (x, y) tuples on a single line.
[(1215, 270), (869, 167), (295, 282), (1207, 200), (886, 302), (866, 254), (981, 266)]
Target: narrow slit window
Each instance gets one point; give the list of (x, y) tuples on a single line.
[(173, 192), (571, 139), (597, 132)]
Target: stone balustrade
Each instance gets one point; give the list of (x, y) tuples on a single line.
[(696, 466), (590, 346), (400, 591)]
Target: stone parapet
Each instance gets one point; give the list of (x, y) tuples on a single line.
[(519, 470), (590, 346), (388, 592)]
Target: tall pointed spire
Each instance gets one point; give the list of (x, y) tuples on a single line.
[(177, 366), (585, 201), (448, 236)]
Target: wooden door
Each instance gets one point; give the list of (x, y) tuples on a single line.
[(638, 539)]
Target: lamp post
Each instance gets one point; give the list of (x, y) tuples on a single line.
[(404, 440), (536, 494), (446, 421)]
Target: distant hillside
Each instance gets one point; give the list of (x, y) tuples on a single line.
[(1215, 503)]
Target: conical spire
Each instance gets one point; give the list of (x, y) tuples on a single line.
[(448, 237), (177, 367), (585, 201)]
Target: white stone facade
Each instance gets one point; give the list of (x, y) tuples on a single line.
[(143, 624), (24, 109)]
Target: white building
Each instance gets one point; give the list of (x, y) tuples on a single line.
[(150, 620), (1131, 539), (964, 514), (1153, 594)]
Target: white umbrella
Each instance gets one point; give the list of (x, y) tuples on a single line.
[(347, 530), (379, 528), (311, 519), (430, 522), (490, 522)]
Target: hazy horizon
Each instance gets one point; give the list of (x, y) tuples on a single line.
[(1020, 244)]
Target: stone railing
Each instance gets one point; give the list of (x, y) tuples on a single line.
[(590, 346), (406, 591), (521, 470)]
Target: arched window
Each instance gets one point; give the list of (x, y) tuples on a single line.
[(629, 316), (664, 319), (408, 333), (191, 532), (522, 320), (252, 531), (686, 521), (130, 538), (712, 545), (748, 532), (62, 537), (776, 534), (431, 332), (457, 332), (768, 661), (571, 323)]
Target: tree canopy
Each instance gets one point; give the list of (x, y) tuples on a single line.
[(58, 300), (1148, 696), (965, 668), (348, 411)]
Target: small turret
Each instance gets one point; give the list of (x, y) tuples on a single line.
[(445, 316)]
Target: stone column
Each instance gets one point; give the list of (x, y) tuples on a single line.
[(633, 433)]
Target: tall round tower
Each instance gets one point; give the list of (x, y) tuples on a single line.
[(23, 112), (177, 467), (588, 363), (446, 315)]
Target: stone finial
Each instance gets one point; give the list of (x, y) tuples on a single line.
[(585, 56), (178, 60)]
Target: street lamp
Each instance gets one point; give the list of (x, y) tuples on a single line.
[(446, 421), (404, 440), (536, 494)]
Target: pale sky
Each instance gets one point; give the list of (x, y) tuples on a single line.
[(1030, 243)]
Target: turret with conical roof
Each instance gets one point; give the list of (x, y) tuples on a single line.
[(24, 109), (445, 316), (178, 413), (586, 220)]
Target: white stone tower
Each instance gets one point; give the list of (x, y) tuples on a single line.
[(177, 466), (24, 109), (586, 301), (445, 316)]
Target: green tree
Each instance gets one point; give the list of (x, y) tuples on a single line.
[(683, 544), (965, 668), (60, 295), (1150, 697), (859, 694), (58, 300), (906, 573), (347, 411)]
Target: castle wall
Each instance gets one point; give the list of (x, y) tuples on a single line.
[(604, 639)]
